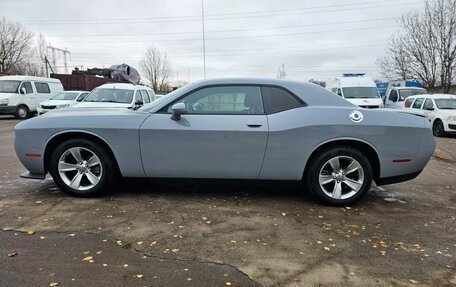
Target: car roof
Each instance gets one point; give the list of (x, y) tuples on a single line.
[(433, 96), (30, 78), (74, 91), (410, 88), (125, 86)]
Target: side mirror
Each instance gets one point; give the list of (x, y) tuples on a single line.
[(23, 91), (394, 99), (139, 103), (178, 109)]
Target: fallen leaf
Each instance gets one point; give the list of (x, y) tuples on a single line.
[(228, 283), (327, 248), (153, 243), (71, 235), (12, 254), (189, 279), (139, 275), (104, 264), (175, 250), (39, 202), (125, 265), (31, 232), (413, 281), (284, 214), (42, 237), (53, 284), (88, 258), (99, 252), (139, 242), (352, 273)]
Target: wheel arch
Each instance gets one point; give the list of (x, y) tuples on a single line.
[(365, 148), (58, 138)]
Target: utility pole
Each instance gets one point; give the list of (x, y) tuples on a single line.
[(281, 74), (64, 52), (204, 38)]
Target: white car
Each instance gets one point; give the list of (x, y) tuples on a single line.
[(118, 95), (20, 95), (395, 96), (61, 100), (440, 109)]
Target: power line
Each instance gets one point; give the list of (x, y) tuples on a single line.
[(209, 18), (230, 38), (222, 31)]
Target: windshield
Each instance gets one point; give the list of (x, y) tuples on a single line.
[(65, 96), (403, 94), (446, 104), (9, 86), (360, 92), (110, 96), (158, 101)]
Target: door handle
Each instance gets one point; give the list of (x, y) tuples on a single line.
[(257, 125)]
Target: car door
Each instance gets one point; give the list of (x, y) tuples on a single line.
[(28, 97), (222, 135), (428, 109)]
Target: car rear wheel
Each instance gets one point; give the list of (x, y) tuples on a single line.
[(339, 176), (82, 168), (438, 129), (22, 112)]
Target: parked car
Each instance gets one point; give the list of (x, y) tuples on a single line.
[(61, 100), (440, 109), (258, 129), (20, 95), (357, 89), (395, 96), (118, 96)]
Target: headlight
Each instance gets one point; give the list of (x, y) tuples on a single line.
[(451, 118), (4, 102)]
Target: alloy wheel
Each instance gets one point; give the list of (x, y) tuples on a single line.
[(80, 168)]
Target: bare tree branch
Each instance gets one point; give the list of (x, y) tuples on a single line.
[(156, 68), (15, 43)]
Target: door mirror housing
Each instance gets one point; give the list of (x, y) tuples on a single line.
[(178, 109), (139, 103)]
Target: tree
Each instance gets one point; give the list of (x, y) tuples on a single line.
[(317, 82), (15, 43), (425, 47), (156, 68)]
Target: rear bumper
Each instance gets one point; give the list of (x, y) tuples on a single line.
[(30, 175), (7, 110), (398, 178)]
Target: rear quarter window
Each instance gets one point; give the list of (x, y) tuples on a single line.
[(42, 88), (278, 100), (408, 103)]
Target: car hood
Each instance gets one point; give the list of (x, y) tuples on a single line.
[(57, 102), (101, 105)]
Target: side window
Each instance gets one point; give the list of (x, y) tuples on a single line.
[(417, 104), (42, 88), (428, 105), (225, 100), (28, 87), (408, 102), (278, 100), (82, 96), (151, 95), (393, 96), (146, 96), (138, 97), (339, 92)]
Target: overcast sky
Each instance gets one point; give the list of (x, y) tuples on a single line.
[(313, 39)]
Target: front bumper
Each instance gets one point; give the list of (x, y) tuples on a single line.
[(7, 110), (41, 111)]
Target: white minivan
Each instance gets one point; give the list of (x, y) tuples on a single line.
[(21, 95), (118, 95), (357, 89)]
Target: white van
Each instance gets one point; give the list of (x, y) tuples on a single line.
[(21, 95), (357, 89), (118, 95)]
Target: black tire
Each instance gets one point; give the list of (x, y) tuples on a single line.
[(438, 129), (107, 166), (319, 162), (22, 112)]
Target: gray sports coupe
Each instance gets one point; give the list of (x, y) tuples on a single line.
[(258, 129)]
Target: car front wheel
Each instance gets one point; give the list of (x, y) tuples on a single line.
[(438, 129), (82, 168), (339, 176), (22, 112)]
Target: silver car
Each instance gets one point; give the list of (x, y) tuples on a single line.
[(259, 129)]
